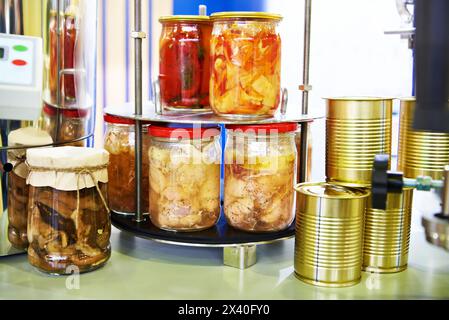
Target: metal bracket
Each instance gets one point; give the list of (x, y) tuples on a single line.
[(138, 35), (241, 257)]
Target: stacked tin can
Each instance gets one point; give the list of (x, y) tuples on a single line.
[(421, 153), (338, 233), (357, 128)]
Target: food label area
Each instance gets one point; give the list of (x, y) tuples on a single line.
[(217, 159)]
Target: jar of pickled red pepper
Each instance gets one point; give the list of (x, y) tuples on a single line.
[(184, 62), (184, 177), (119, 142), (260, 174), (66, 59), (245, 64)]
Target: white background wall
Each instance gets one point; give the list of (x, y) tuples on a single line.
[(350, 55)]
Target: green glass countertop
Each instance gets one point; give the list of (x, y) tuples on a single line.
[(142, 269)]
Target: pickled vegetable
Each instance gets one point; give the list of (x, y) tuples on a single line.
[(184, 64), (60, 236), (246, 68)]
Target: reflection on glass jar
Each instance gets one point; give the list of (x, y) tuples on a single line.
[(184, 177), (119, 142), (260, 173), (73, 124), (184, 71), (68, 218), (67, 42), (245, 64), (17, 186)]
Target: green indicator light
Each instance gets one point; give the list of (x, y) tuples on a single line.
[(20, 48)]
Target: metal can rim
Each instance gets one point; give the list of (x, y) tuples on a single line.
[(352, 193), (358, 98)]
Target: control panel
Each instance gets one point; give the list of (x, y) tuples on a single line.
[(20, 77)]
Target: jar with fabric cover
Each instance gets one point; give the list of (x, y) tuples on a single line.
[(69, 225), (17, 187)]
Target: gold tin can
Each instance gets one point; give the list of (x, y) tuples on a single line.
[(387, 234), (329, 234), (421, 153), (357, 128)]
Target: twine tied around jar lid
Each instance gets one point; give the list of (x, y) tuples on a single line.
[(16, 159), (79, 172)]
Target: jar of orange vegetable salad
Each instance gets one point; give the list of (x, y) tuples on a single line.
[(245, 64)]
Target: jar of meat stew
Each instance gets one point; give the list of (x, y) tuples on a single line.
[(119, 142), (260, 174), (245, 64), (184, 177), (68, 219)]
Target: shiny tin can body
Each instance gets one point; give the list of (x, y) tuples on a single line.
[(329, 234), (357, 128), (387, 234), (421, 153)]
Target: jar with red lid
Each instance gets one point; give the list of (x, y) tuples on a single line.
[(260, 174), (184, 62), (72, 126), (184, 177), (119, 141)]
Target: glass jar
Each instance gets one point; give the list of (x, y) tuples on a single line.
[(184, 62), (119, 142), (73, 124), (17, 187), (68, 219), (246, 64), (67, 41), (184, 177), (49, 120), (260, 174), (70, 38)]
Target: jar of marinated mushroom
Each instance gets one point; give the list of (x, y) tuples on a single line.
[(184, 177), (260, 173), (119, 142), (245, 64), (17, 187), (68, 219), (184, 62)]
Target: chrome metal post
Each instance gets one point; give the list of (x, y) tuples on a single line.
[(445, 210), (59, 66), (138, 36), (305, 87)]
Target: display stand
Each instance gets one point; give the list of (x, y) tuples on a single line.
[(239, 248)]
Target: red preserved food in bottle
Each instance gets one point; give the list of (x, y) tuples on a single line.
[(184, 62), (68, 80), (67, 42)]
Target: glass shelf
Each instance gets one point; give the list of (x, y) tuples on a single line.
[(203, 117)]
